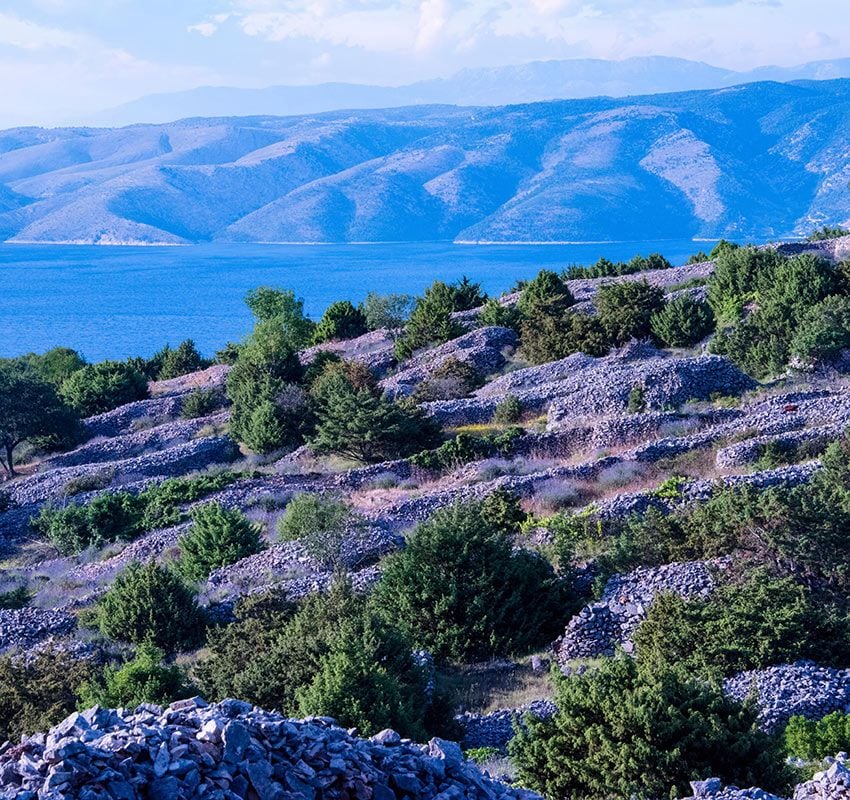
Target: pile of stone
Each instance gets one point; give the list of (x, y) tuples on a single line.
[(832, 783), (581, 386), (130, 417), (714, 789), (23, 628), (233, 750), (496, 729), (130, 445), (599, 628), (800, 689), (214, 377), (374, 349), (482, 349), (197, 454)]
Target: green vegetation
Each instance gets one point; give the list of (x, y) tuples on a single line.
[(607, 269), (149, 603), (122, 516), (682, 322), (465, 448), (330, 654), (459, 590), (218, 537), (100, 387), (626, 309), (142, 679), (56, 365), (320, 523), (30, 410), (509, 411), (387, 310), (341, 320), (774, 620), (168, 363), (814, 740), (450, 380), (629, 732), (430, 323), (37, 692), (201, 403), (356, 421), (18, 597), (828, 232)]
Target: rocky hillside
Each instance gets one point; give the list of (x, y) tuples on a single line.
[(758, 160), (649, 510)]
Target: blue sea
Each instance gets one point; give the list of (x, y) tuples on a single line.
[(115, 302)]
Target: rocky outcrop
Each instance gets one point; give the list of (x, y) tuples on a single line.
[(25, 627), (581, 386), (131, 417), (197, 454), (214, 377), (374, 349), (231, 749), (598, 629), (496, 729), (483, 349), (135, 444), (831, 783), (804, 689)]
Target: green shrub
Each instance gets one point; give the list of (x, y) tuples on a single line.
[(38, 692), (361, 424), (733, 283), (604, 268), (387, 310), (280, 318), (549, 337), (494, 313), (430, 322), (142, 679), (55, 365), (624, 732), (109, 517), (320, 523), (682, 322), (481, 755), (341, 320), (100, 387), (637, 400), (18, 597), (824, 330), (814, 740), (509, 411), (828, 232), (329, 654), (625, 309), (218, 537), (150, 603), (200, 403), (501, 510), (174, 363), (450, 380), (546, 295), (267, 411), (465, 448), (162, 501), (749, 625), (459, 590), (467, 295)]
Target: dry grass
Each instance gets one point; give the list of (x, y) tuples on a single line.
[(483, 688)]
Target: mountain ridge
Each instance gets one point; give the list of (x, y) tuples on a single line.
[(534, 81), (756, 160)]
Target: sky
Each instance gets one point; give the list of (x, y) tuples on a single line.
[(63, 59)]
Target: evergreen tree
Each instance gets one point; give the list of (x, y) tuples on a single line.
[(341, 320), (430, 322), (218, 537), (150, 603)]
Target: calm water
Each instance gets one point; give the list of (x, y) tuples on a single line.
[(114, 302)]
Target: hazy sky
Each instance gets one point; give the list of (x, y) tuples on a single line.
[(60, 59)]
